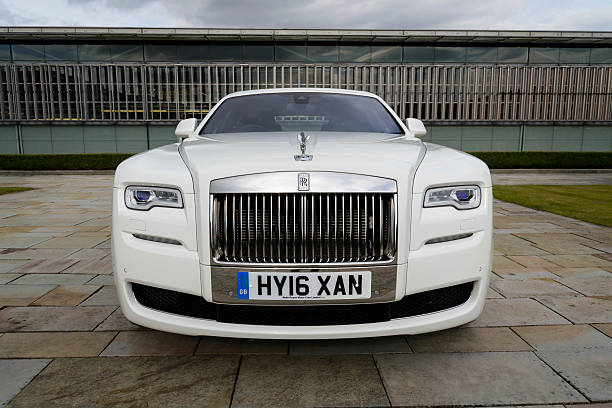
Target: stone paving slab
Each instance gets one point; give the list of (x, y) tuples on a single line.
[(52, 279), (53, 318), (66, 295), (46, 266), (589, 371), (531, 288), (150, 343), (581, 309), (106, 296), (371, 345), (16, 374), (8, 265), (564, 338), (153, 382), (8, 277), (590, 285), (98, 266), (34, 253), (55, 344), (22, 295), (605, 328), (472, 379), (309, 381), (516, 312), (226, 345), (103, 280), (117, 321), (468, 339)]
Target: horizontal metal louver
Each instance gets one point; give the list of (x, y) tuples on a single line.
[(303, 227)]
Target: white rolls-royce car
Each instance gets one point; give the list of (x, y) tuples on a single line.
[(301, 214)]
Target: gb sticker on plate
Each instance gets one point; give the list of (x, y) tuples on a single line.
[(242, 283)]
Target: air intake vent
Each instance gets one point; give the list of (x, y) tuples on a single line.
[(303, 227)]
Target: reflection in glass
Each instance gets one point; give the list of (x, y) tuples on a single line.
[(127, 52), (61, 52), (225, 51), (28, 52), (601, 55), (253, 51), (291, 52), (355, 53), (383, 53), (5, 52), (543, 55), (160, 53), (449, 54), (574, 55), (512, 55), (323, 52), (191, 53), (482, 54), (418, 54), (94, 52)]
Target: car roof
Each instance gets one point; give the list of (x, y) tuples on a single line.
[(309, 90)]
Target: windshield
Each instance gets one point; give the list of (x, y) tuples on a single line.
[(301, 111)]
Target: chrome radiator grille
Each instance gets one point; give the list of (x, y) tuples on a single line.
[(303, 227)]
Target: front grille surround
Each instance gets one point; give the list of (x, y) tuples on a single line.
[(314, 228)]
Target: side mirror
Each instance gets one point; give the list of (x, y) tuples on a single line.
[(185, 128), (416, 127)]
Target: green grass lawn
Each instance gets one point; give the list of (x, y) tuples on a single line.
[(7, 190), (586, 203)]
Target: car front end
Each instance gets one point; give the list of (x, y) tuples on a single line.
[(302, 235)]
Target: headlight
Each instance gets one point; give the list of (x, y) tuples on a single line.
[(144, 198), (460, 197)]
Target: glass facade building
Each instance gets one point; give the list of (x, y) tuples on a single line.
[(70, 90)]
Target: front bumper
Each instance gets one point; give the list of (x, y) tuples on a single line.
[(425, 268)]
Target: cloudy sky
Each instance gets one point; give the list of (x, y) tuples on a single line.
[(590, 15)]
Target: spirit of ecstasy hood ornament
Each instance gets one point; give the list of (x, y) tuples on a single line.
[(303, 141)]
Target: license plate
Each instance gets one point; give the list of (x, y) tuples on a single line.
[(304, 286)]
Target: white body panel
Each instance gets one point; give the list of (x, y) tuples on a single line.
[(192, 165)]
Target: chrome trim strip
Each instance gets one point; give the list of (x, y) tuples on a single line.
[(153, 238), (448, 238), (320, 182)]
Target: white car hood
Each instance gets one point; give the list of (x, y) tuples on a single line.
[(226, 155), (229, 155)]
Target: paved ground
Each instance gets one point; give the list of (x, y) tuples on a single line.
[(544, 338)]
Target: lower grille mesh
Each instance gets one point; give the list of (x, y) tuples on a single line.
[(195, 306)]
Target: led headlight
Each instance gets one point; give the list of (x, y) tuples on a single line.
[(144, 198), (460, 197)]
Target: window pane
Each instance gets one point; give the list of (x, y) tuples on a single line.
[(161, 53), (301, 111), (28, 52), (192, 52), (61, 52), (482, 54), (5, 52), (574, 55), (383, 53), (418, 54), (512, 55), (126, 52), (449, 54), (601, 55), (229, 51), (291, 52), (543, 55), (323, 52), (258, 51), (94, 52), (355, 53)]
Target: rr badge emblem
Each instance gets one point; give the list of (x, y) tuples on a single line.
[(303, 182)]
